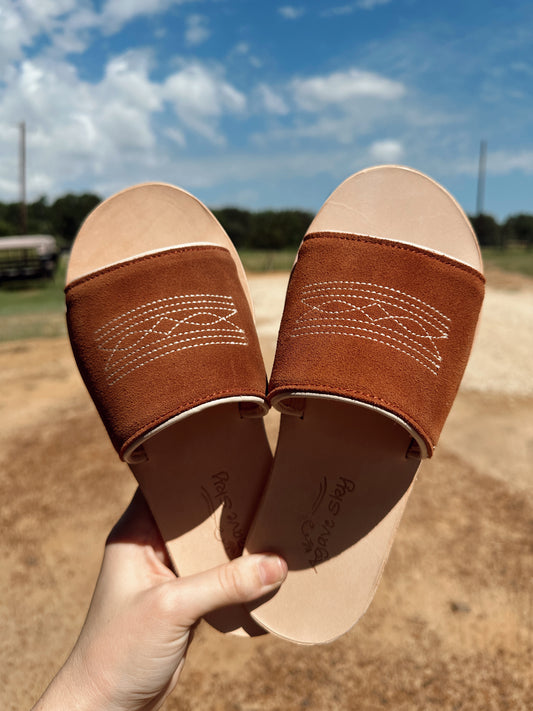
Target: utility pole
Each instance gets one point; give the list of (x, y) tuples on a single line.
[(22, 178), (480, 203)]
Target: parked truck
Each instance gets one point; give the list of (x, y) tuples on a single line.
[(28, 257)]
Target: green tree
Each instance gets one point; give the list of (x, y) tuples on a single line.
[(38, 217), (6, 228), (519, 228), (487, 231), (10, 218), (68, 212), (279, 229), (237, 223)]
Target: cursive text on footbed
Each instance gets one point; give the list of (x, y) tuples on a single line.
[(229, 530), (318, 526)]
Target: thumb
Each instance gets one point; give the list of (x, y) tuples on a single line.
[(241, 580)]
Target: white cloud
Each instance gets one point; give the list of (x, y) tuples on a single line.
[(129, 126), (339, 10), (69, 24), (347, 128), (504, 162), (353, 108), (73, 33), (290, 12), (317, 92), (176, 135), (241, 48), (371, 4), (136, 120), (45, 12), (500, 162), (22, 22), (117, 13), (337, 129), (270, 101), (243, 167), (77, 131), (200, 96), (352, 7), (197, 30), (15, 34), (127, 77), (386, 151), (342, 107)]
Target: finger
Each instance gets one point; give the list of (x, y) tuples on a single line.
[(137, 525), (239, 581)]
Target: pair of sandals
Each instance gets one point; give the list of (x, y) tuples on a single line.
[(378, 324)]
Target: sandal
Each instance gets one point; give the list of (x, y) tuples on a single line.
[(160, 321), (378, 325)]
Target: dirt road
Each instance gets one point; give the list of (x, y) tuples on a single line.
[(451, 627)]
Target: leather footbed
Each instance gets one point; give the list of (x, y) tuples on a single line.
[(203, 474), (343, 468)]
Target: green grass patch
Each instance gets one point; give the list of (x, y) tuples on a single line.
[(35, 295), (512, 259), (34, 308), (267, 260)]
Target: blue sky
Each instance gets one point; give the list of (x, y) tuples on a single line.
[(267, 104)]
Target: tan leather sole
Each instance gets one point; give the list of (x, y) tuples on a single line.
[(341, 477), (204, 474)]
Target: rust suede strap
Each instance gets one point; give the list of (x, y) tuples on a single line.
[(160, 334), (381, 322)]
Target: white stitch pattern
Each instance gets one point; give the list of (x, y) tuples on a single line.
[(186, 300), (376, 313), (379, 287), (164, 326)]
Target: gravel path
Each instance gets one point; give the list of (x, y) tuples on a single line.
[(450, 628), (501, 360)]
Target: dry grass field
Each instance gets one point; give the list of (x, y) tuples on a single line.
[(451, 627)]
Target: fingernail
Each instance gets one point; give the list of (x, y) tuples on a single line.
[(272, 569)]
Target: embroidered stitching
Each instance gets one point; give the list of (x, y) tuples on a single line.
[(185, 299), (377, 313), (165, 326)]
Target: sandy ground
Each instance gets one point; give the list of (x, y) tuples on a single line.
[(451, 627)]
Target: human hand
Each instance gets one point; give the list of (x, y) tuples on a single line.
[(131, 649)]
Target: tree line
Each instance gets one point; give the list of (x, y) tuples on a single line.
[(517, 229), (265, 229)]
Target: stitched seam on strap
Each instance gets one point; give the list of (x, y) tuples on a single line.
[(377, 286), (316, 320), (163, 304), (397, 245), (169, 352), (125, 354), (188, 406), (132, 332), (137, 260), (378, 328), (363, 395), (376, 340)]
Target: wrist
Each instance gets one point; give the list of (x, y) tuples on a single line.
[(72, 689)]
